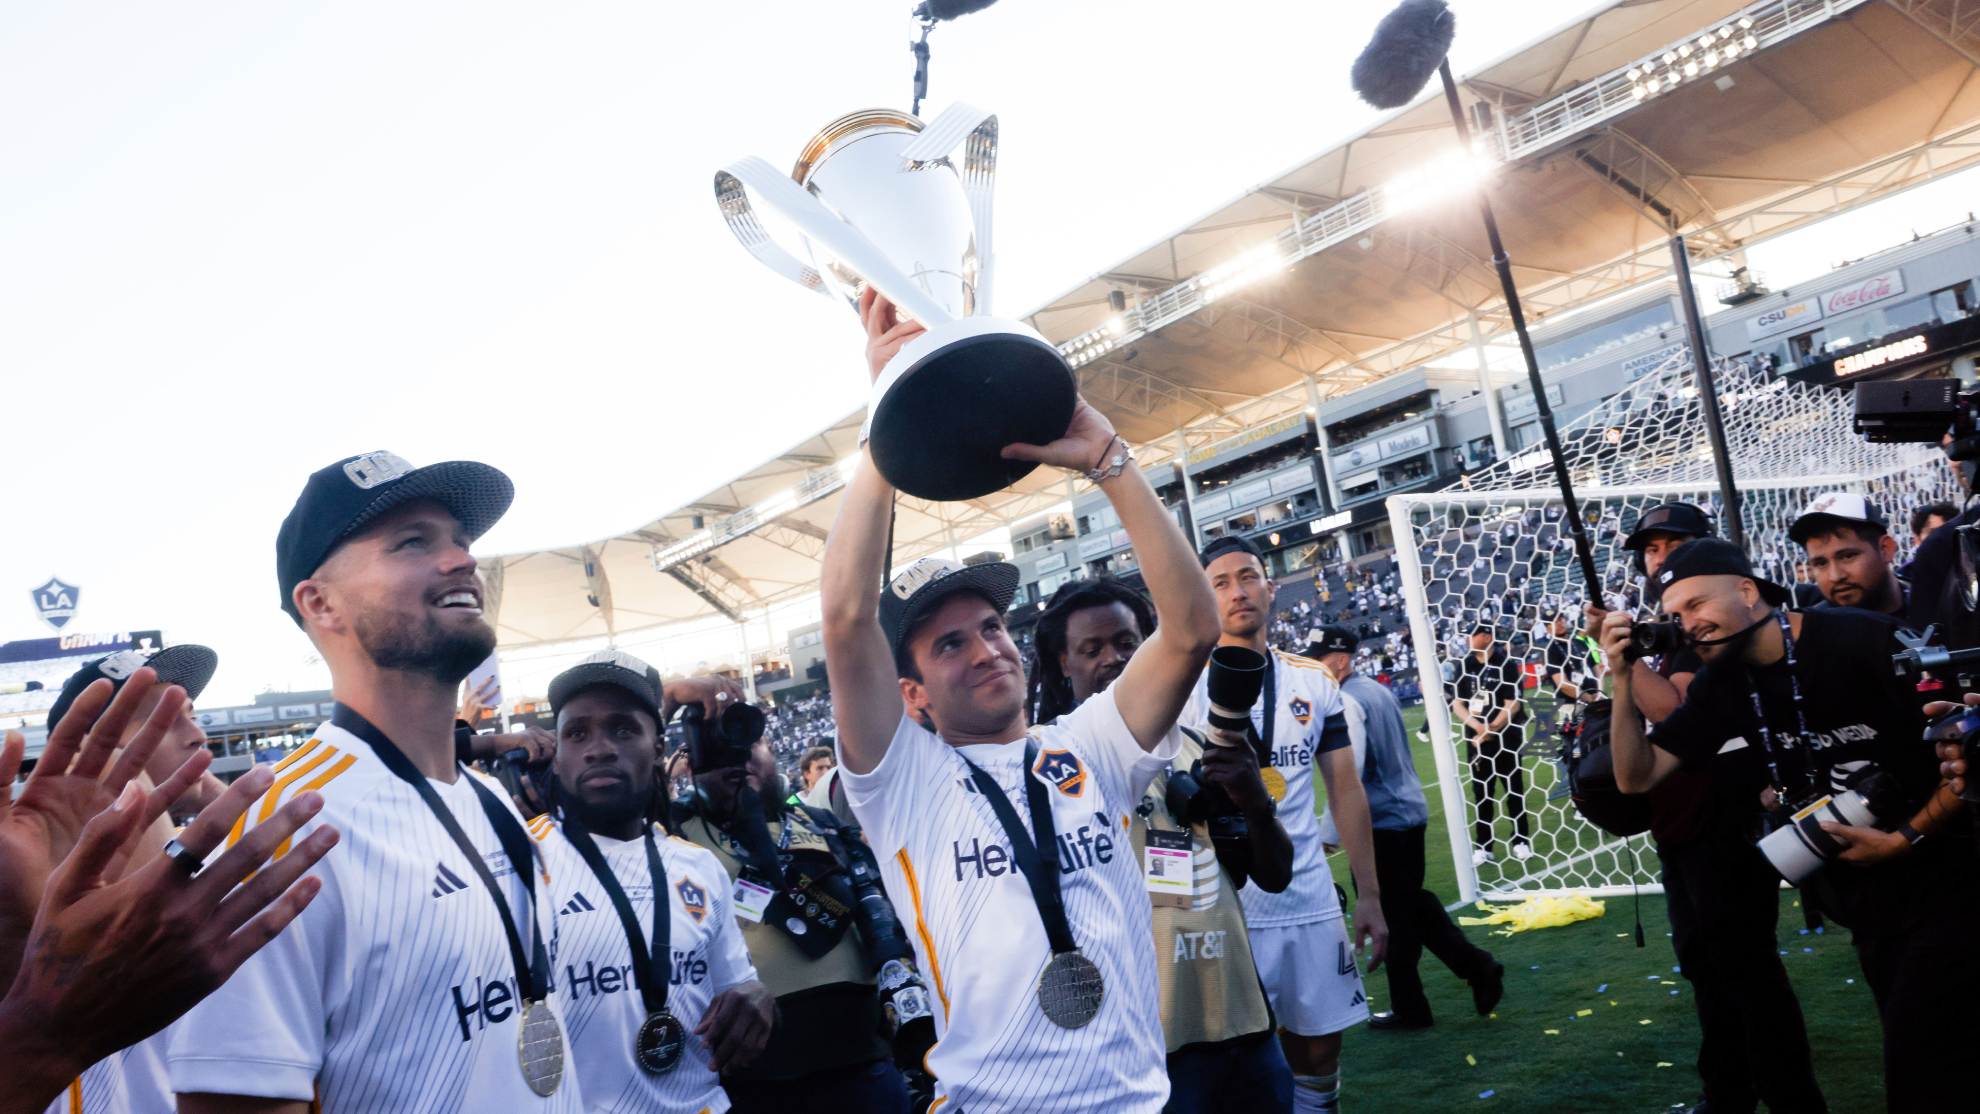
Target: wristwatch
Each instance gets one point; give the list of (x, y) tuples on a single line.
[(1271, 807)]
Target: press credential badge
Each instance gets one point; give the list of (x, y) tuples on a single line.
[(1166, 869), (751, 900)]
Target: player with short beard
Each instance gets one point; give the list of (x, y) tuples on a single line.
[(419, 980), (602, 847)]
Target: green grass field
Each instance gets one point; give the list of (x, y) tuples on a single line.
[(1633, 1050)]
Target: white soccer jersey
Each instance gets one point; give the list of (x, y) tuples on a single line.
[(394, 992), (1306, 697), (132, 1081), (978, 934), (594, 967)]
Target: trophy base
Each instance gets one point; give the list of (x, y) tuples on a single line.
[(953, 397)]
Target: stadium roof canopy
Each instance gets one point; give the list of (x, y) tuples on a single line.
[(1605, 137)]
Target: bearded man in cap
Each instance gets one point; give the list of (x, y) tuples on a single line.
[(419, 981), (1009, 841), (658, 1007), (1792, 708), (1723, 898), (1849, 551)]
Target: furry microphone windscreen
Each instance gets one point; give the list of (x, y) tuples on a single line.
[(1408, 45), (941, 11)]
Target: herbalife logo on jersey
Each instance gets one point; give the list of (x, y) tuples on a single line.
[(1078, 850), (447, 882)]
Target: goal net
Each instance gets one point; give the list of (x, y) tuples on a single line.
[(1494, 550)]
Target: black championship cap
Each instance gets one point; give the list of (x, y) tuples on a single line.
[(1715, 557), (1331, 640), (339, 499), (1669, 518), (923, 585), (189, 667), (1230, 544), (609, 667)]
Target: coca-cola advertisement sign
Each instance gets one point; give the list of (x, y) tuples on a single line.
[(1887, 285)]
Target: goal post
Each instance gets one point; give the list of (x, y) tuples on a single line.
[(1494, 551)]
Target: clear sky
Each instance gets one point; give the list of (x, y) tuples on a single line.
[(241, 240)]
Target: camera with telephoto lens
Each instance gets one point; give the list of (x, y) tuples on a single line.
[(724, 741), (1647, 640), (1799, 846), (1232, 681)]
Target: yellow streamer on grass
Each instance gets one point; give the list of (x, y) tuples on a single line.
[(1538, 911)]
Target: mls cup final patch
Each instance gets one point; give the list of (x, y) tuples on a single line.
[(1061, 769)]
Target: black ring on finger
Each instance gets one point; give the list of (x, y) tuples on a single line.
[(183, 858)]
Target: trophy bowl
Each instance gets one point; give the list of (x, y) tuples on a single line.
[(878, 200)]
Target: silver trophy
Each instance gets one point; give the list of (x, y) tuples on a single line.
[(878, 200)]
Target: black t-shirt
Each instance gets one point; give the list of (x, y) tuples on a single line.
[(1858, 712), (1932, 570), (1485, 686), (1571, 656)]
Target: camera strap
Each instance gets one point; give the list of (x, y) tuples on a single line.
[(652, 986), (1760, 712), (533, 978), (1270, 698), (1038, 861)]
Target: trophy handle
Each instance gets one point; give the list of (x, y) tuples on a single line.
[(741, 218), (841, 239), (963, 122)]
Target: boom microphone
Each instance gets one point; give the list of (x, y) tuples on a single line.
[(942, 11), (1407, 48)]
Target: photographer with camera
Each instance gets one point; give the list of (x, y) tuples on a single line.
[(1197, 845), (1802, 714), (658, 1002), (1723, 898), (819, 928), (1849, 552), (1303, 951)]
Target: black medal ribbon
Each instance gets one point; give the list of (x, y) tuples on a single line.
[(532, 974), (661, 1039), (1271, 715), (1071, 988), (1038, 861)]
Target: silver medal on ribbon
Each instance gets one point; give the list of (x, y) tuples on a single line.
[(661, 1041), (1070, 990), (540, 1047)]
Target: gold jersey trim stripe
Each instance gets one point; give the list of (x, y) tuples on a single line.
[(921, 927)]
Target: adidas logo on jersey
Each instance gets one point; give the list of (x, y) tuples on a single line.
[(577, 904), (447, 882)]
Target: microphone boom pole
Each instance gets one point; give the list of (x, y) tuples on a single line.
[(1503, 265)]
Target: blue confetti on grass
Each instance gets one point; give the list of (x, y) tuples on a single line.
[(1601, 988), (1673, 992), (1810, 950), (1486, 1094)]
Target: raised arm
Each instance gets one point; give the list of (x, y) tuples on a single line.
[(1158, 680), (866, 689), (1639, 764)]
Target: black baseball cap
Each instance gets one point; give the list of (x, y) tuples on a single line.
[(1715, 557), (340, 498), (188, 666), (1331, 640), (1230, 543), (922, 586), (609, 667), (1669, 518)]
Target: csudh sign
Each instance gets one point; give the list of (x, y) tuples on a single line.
[(1782, 318)]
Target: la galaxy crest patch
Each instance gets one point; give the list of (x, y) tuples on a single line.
[(1061, 769), (693, 898), (1301, 709)]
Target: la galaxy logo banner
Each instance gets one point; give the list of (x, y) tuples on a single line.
[(55, 602), (693, 898), (1301, 710), (1061, 769)]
